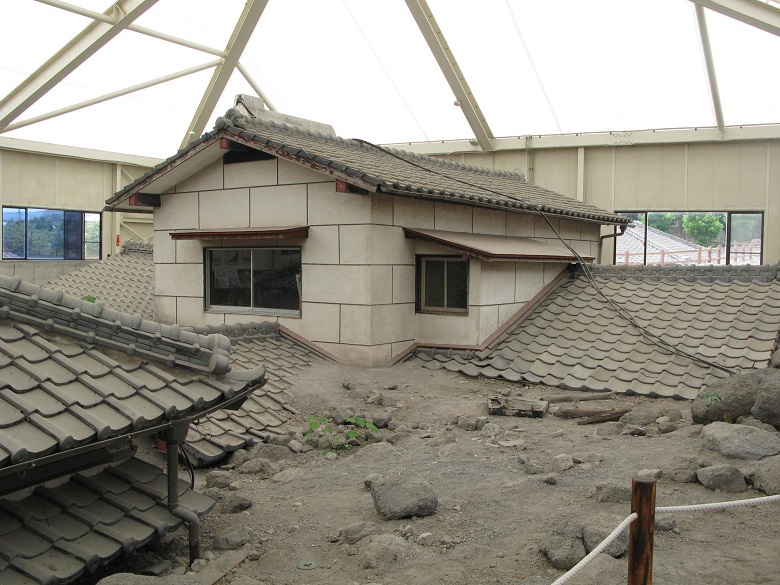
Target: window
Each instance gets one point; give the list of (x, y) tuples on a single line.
[(691, 237), (50, 234), (442, 284), (254, 278)]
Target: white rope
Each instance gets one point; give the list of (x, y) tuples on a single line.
[(596, 551), (718, 505)]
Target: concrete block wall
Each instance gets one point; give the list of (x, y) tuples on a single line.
[(358, 268)]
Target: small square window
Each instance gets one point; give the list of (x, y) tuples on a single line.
[(265, 279), (442, 284)]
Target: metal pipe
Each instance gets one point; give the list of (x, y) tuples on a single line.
[(710, 63), (192, 520)]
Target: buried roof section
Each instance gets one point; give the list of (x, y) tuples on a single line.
[(364, 166)]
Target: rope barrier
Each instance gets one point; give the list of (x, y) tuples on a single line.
[(596, 551), (717, 505)]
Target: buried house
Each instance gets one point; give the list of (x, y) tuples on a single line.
[(364, 251)]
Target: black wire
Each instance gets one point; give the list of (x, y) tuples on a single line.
[(653, 338), (188, 463)]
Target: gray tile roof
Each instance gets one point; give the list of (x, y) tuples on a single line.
[(575, 340), (124, 282), (267, 410), (383, 170)]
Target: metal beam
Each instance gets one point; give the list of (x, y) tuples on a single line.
[(444, 57), (247, 22), (713, 79), (67, 59), (133, 27), (604, 139), (253, 84), (109, 96), (758, 14)]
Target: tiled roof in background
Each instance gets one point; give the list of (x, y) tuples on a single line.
[(265, 412), (124, 282), (575, 340), (388, 171)]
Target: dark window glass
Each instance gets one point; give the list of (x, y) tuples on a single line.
[(457, 284), (45, 234), (73, 228), (14, 238), (262, 278), (444, 284), (433, 296)]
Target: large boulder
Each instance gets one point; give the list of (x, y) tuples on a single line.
[(564, 546), (397, 497), (740, 441), (728, 399), (766, 475), (725, 478), (767, 405), (596, 529)]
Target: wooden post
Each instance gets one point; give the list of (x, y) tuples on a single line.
[(640, 545), (698, 258)]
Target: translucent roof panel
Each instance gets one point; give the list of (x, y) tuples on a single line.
[(365, 68)]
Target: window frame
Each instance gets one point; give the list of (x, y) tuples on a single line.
[(269, 311), (729, 214), (65, 246), (420, 272)]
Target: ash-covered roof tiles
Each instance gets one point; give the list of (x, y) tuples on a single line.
[(124, 282), (384, 170), (727, 316)]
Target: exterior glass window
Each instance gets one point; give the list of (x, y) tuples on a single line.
[(268, 279), (443, 284), (50, 234), (691, 237)]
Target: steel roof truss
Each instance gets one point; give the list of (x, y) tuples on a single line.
[(758, 14)]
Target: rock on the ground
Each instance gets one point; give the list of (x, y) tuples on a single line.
[(740, 441), (610, 428), (766, 475), (613, 492), (752, 421), (236, 502), (342, 413), (131, 579), (383, 551), (728, 399), (219, 479), (295, 446), (725, 478), (238, 458), (370, 479), (260, 467), (382, 419), (683, 469), (563, 546), (641, 415), (272, 452), (562, 462), (467, 423), (597, 528), (767, 405), (232, 538), (398, 497), (357, 531)]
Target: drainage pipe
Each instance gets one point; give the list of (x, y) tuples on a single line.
[(192, 520)]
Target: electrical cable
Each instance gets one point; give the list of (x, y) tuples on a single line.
[(188, 463), (653, 338)]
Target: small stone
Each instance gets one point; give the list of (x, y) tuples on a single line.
[(295, 446), (500, 555), (297, 504), (557, 433), (198, 565), (342, 413), (457, 508), (665, 524), (382, 420), (331, 456), (425, 539), (219, 479), (562, 462), (370, 479), (654, 473), (666, 427), (533, 468), (391, 387), (550, 479), (235, 486), (634, 431)]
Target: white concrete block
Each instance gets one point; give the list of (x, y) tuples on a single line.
[(178, 280), (290, 172), (454, 218), (189, 311), (413, 213), (392, 323), (381, 285), (506, 312), (165, 309), (322, 245), (327, 207), (403, 284), (164, 248), (208, 178), (187, 251), (520, 224), (553, 269), (570, 229), (336, 284), (213, 318), (250, 174), (401, 347), (496, 285), (488, 322), (581, 247), (369, 244), (529, 280), (592, 231), (360, 355), (278, 206), (489, 221), (319, 322), (356, 324), (224, 209), (382, 208), (542, 229), (448, 329), (178, 211)]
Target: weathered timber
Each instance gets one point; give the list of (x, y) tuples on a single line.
[(515, 406), (579, 397), (576, 412), (607, 416), (640, 544)]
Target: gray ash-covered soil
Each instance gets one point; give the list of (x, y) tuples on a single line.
[(492, 516)]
